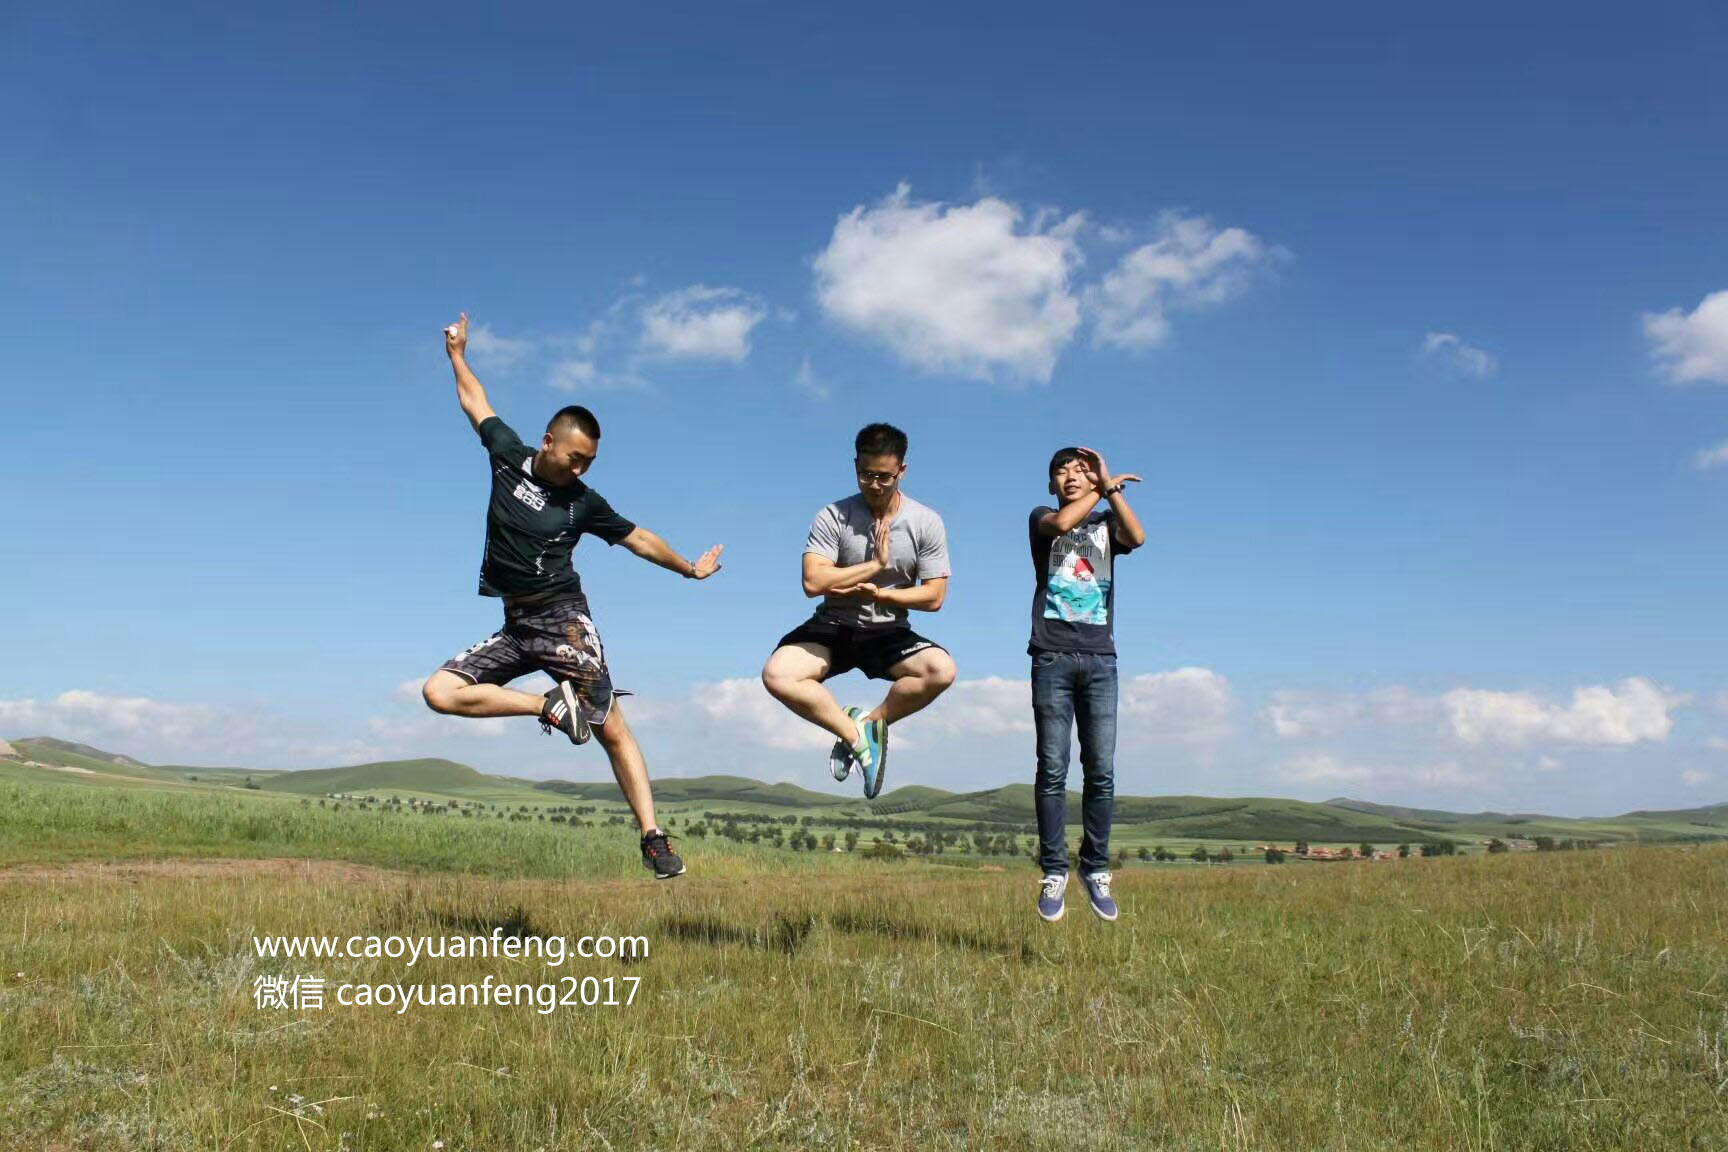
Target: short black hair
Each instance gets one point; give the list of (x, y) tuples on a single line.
[(1062, 457), (574, 416), (880, 440)]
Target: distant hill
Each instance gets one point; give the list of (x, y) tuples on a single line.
[(434, 775), (677, 790), (1714, 815), (1238, 819), (49, 743)]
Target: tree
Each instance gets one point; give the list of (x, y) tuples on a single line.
[(1142, 854), (1366, 850), (1274, 855), (851, 839), (1301, 847), (1496, 846), (1544, 843), (1224, 855), (1199, 853), (1403, 851)]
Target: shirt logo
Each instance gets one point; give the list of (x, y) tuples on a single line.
[(530, 495)]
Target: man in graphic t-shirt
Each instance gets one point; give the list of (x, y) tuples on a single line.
[(1073, 649), (539, 509), (872, 557)]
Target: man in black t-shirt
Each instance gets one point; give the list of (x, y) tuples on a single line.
[(1073, 650), (539, 509)]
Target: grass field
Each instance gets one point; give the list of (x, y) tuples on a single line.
[(802, 1000)]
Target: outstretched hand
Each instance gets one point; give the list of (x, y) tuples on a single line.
[(865, 592), (456, 337), (708, 564)]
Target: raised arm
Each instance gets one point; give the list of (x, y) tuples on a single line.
[(469, 393), (1128, 530), (656, 551)]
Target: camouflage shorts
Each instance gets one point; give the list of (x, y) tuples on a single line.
[(557, 638)]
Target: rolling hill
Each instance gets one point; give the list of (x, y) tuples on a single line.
[(1238, 819)]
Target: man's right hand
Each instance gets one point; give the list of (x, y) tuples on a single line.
[(882, 539), (456, 337)]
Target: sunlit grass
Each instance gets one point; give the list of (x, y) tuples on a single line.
[(1568, 1000)]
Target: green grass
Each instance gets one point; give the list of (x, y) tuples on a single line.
[(1572, 1000)]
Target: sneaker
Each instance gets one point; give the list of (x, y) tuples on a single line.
[(658, 857), (872, 754), (1098, 892), (840, 759), (563, 713), (1050, 904)]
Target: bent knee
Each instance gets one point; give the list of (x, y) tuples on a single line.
[(942, 672), (440, 690)]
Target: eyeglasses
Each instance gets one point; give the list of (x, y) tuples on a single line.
[(878, 479)]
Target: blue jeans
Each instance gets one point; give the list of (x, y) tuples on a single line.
[(1069, 687)]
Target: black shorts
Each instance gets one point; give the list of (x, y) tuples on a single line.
[(557, 638), (870, 650)]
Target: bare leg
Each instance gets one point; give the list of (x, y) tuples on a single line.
[(918, 680), (453, 695), (628, 766), (793, 676)]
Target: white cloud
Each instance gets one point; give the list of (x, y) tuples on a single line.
[(701, 323), (1189, 265), (981, 707), (1186, 704), (1446, 349), (1632, 711), (90, 717), (1324, 768), (1299, 715), (1691, 347), (1320, 768), (1695, 779), (1715, 456), (807, 382), (743, 710), (962, 288), (1191, 704), (1717, 743), (492, 351)]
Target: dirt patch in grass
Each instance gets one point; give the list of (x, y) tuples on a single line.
[(197, 868)]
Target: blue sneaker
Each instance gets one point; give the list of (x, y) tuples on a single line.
[(872, 755), (1098, 892), (1050, 904), (840, 759)]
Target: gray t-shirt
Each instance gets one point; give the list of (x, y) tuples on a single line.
[(844, 532)]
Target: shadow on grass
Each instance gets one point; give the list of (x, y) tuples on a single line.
[(787, 933)]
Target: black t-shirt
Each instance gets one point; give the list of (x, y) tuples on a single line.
[(531, 528), (1074, 595)]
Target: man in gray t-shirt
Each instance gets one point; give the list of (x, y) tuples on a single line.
[(872, 558)]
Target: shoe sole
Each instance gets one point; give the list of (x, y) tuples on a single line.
[(1109, 919), (842, 755), (668, 875), (1060, 912), (578, 723), (873, 788)]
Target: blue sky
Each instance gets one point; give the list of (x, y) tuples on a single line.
[(1409, 321)]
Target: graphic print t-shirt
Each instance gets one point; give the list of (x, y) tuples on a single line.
[(1074, 596), (531, 528)]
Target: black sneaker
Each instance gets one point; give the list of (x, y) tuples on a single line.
[(563, 713), (658, 857)]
